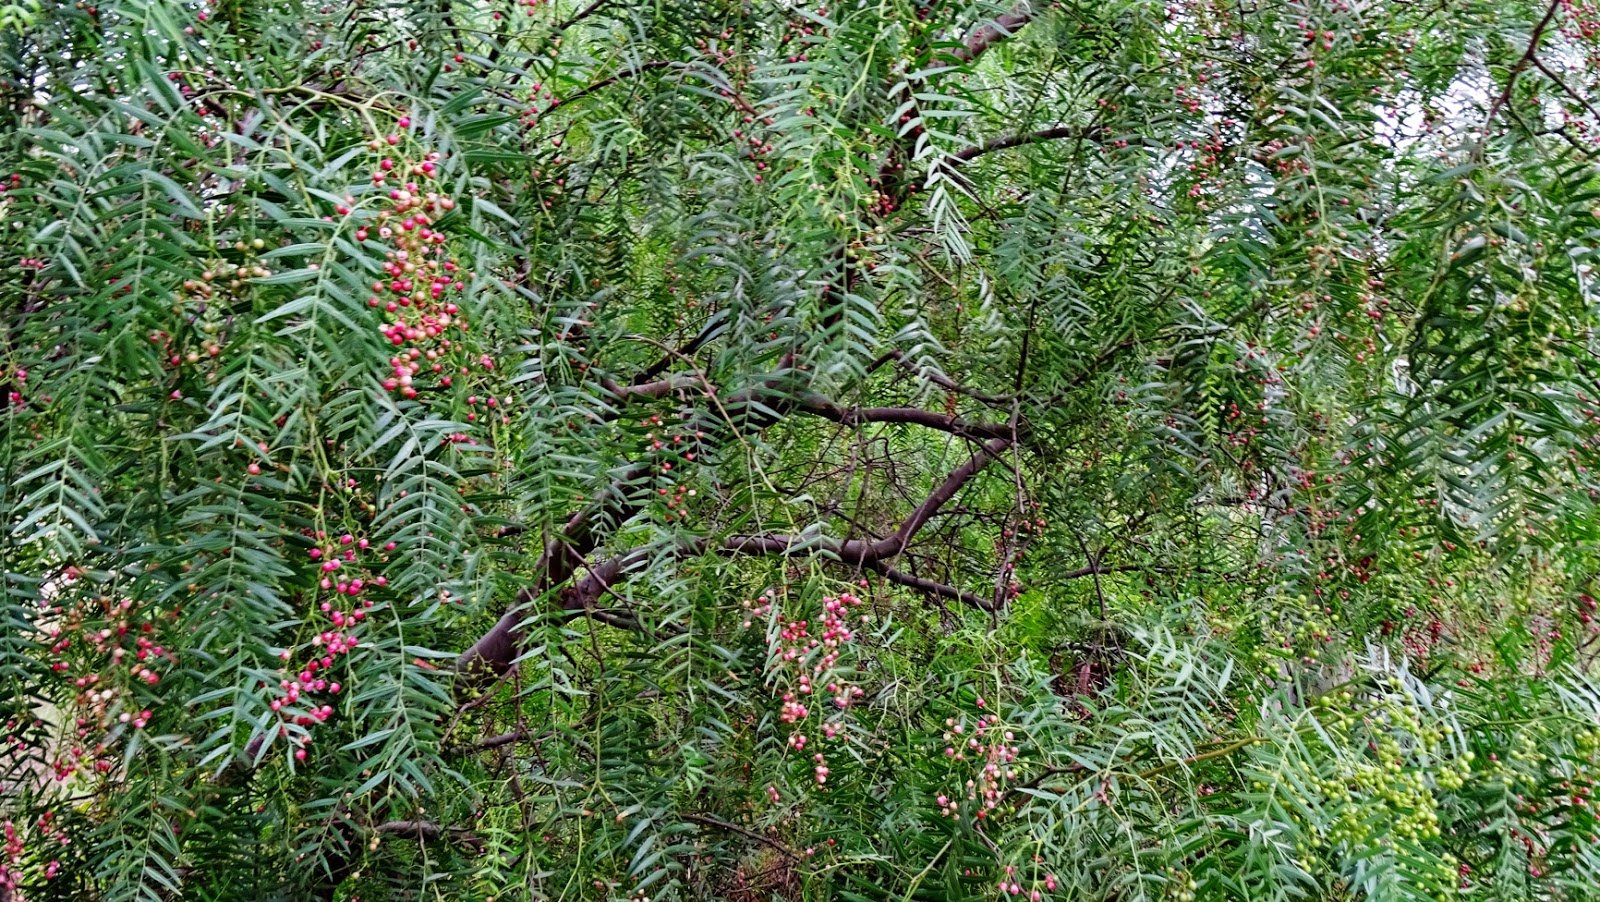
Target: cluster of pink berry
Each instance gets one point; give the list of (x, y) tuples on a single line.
[(541, 100), (6, 184), (16, 847), (418, 294), (105, 647), (420, 272), (802, 32), (996, 748), (10, 871), (1009, 885), (814, 660), (18, 380), (348, 582)]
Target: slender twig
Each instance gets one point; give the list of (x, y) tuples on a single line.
[(1527, 59), (630, 72), (709, 821), (1222, 752), (579, 16), (1566, 88), (1005, 142)]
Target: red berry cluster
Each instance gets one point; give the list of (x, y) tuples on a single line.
[(302, 699), (104, 648), (196, 86), (723, 51), (1009, 885), (16, 847), (672, 451), (6, 184), (812, 660), (541, 100), (422, 276), (991, 744), (15, 381)]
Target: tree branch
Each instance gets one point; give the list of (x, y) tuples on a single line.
[(958, 477), (710, 821), (498, 741), (658, 388), (816, 405), (494, 652), (492, 655), (860, 551), (1522, 63), (1006, 142), (985, 37), (1566, 88), (427, 831), (944, 381), (608, 81), (712, 329), (934, 589), (579, 16), (581, 596)]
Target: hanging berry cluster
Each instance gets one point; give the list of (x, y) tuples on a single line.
[(996, 748), (15, 382), (14, 851), (104, 648), (346, 583), (1010, 884), (541, 100), (673, 450), (811, 660), (423, 320), (206, 305), (196, 87)]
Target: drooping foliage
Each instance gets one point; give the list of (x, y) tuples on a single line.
[(698, 449)]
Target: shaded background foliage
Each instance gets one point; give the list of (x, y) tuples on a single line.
[(1176, 420)]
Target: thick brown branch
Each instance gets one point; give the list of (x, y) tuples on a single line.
[(958, 477), (582, 595), (975, 45), (934, 589), (712, 329), (991, 34), (499, 740), (427, 831), (860, 551), (658, 388), (750, 411), (494, 652)]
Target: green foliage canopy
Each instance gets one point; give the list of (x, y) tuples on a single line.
[(722, 449)]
